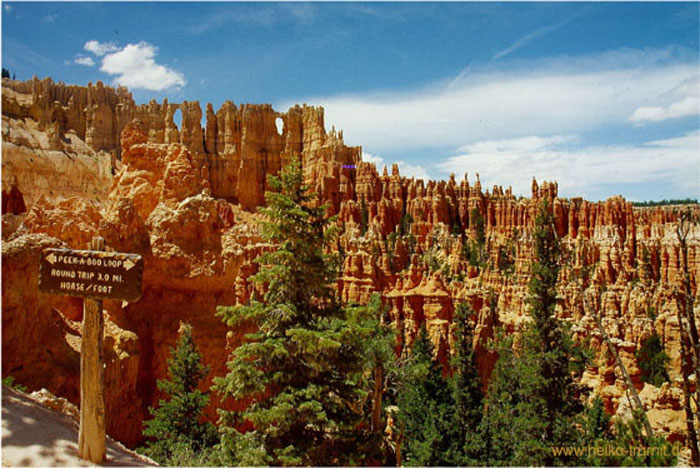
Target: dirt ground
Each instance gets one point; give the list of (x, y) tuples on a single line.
[(33, 435)]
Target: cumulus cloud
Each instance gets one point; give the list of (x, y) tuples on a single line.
[(581, 170), (133, 66), (84, 60), (405, 169), (550, 96), (100, 48), (684, 101)]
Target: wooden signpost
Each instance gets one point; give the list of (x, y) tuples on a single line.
[(95, 275)]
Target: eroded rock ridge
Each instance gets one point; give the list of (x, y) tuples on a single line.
[(183, 199)]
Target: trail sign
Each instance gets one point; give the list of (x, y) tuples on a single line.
[(95, 275), (90, 273)]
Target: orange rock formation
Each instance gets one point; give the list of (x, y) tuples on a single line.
[(183, 199)]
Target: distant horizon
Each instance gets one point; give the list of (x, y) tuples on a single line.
[(604, 98)]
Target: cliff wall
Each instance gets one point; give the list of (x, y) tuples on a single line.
[(235, 149)]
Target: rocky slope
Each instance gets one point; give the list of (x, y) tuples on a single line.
[(185, 198)]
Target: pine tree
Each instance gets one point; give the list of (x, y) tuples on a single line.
[(176, 425), (364, 217), (596, 432), (478, 226), (466, 393), (378, 341), (652, 360), (534, 399), (301, 370), (426, 408)]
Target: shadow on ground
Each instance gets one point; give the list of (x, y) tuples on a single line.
[(36, 436)]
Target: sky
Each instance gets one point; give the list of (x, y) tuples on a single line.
[(602, 97)]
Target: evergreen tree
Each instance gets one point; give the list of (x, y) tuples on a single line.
[(176, 425), (626, 445), (466, 393), (301, 371), (478, 226), (639, 448), (533, 397), (405, 223), (596, 433), (652, 360), (426, 408), (364, 217), (646, 264), (379, 339)]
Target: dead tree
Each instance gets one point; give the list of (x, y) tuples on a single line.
[(687, 395), (690, 358)]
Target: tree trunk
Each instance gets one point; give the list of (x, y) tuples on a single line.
[(377, 400), (687, 405), (691, 335)]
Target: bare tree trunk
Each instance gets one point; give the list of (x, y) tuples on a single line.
[(687, 405), (377, 400), (689, 304), (623, 369), (690, 334)]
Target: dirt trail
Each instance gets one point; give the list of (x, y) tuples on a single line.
[(33, 435)]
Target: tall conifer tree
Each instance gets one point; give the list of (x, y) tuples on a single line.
[(300, 372), (426, 408), (468, 446), (176, 427), (533, 397)]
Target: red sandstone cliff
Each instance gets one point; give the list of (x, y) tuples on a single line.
[(183, 198)]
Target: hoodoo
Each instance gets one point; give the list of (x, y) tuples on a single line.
[(85, 161)]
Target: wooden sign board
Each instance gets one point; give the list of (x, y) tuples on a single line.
[(91, 273)]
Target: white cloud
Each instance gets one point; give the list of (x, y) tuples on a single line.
[(581, 170), (135, 67), (685, 101), (405, 169), (305, 13), (526, 39), (688, 106), (554, 96), (525, 144), (100, 48), (412, 170), (84, 60), (7, 7), (369, 157), (264, 16)]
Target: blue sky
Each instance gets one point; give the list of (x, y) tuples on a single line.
[(602, 97)]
